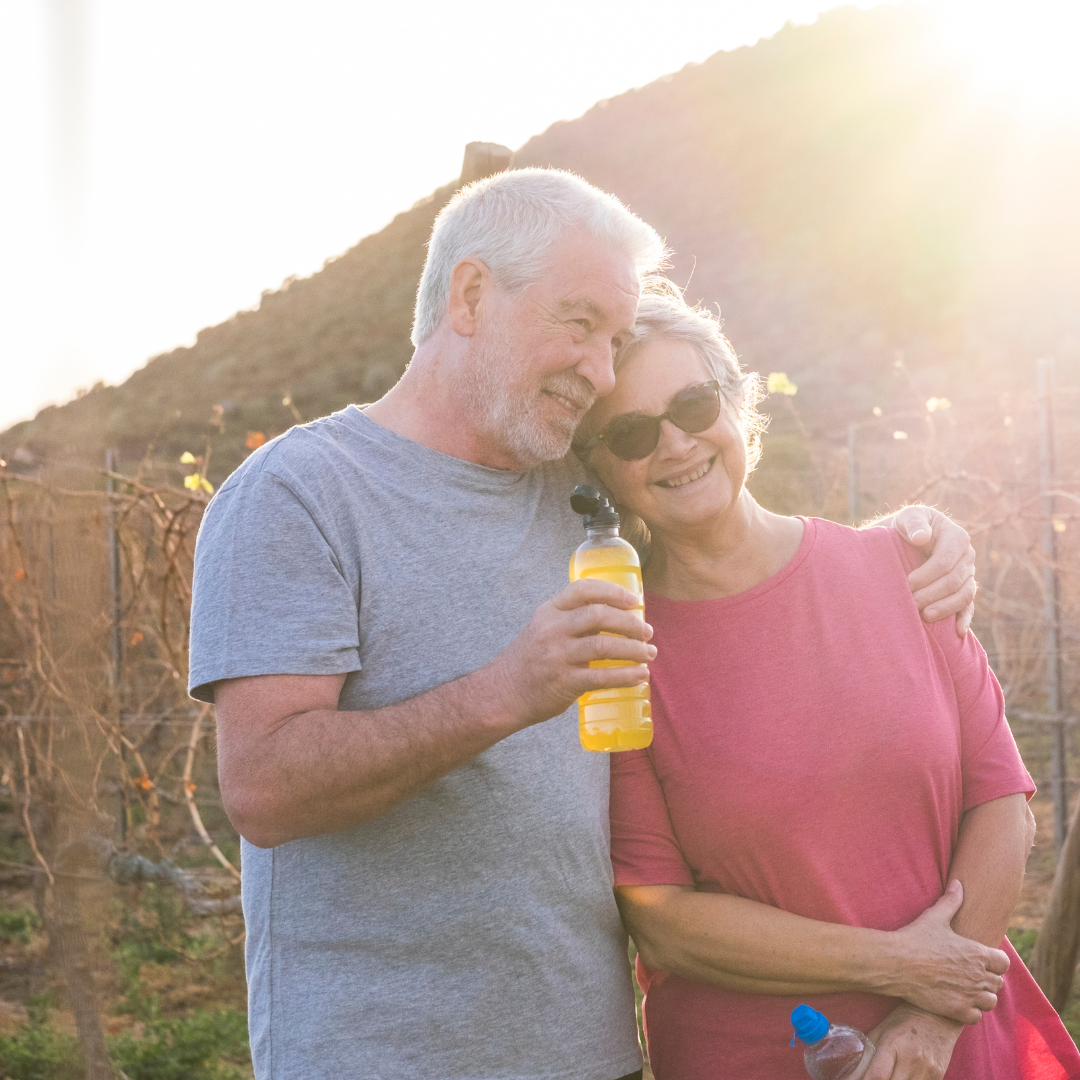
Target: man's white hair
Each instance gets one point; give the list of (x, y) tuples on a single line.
[(510, 221)]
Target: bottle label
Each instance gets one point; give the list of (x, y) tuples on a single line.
[(627, 577)]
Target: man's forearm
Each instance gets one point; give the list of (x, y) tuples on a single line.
[(321, 770), (291, 765)]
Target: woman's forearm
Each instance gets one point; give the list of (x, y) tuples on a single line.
[(733, 941), (745, 945), (754, 948)]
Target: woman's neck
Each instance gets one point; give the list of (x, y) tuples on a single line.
[(724, 556)]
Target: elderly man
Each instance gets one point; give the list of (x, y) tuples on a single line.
[(381, 617)]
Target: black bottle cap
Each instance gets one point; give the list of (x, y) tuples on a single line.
[(594, 508)]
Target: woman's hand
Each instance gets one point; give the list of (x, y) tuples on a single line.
[(912, 1045), (943, 972)]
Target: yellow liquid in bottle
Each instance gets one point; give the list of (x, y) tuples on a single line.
[(619, 719)]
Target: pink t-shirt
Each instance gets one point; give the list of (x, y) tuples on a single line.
[(815, 747)]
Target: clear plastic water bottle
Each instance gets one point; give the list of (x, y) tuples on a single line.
[(833, 1051)]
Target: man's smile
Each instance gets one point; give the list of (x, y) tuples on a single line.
[(576, 407)]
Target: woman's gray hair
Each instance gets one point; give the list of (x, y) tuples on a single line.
[(510, 221)]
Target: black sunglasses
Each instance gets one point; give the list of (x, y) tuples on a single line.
[(633, 437)]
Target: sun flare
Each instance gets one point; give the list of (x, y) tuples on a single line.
[(1022, 55)]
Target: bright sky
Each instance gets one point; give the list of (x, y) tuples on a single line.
[(171, 161)]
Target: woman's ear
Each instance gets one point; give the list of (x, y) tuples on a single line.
[(469, 281)]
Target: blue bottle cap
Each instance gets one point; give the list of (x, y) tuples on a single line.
[(810, 1025)]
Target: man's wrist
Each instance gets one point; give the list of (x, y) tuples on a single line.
[(887, 521), (491, 695)]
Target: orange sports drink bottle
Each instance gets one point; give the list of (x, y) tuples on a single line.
[(618, 719)]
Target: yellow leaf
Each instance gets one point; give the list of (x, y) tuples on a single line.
[(779, 383), (206, 485), (187, 458), (192, 482)]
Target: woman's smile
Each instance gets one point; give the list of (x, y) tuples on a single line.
[(687, 476)]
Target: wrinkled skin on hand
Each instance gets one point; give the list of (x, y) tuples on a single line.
[(546, 667), (945, 584), (912, 1045), (944, 972)]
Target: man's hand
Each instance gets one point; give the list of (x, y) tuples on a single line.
[(546, 667), (943, 972), (912, 1045), (945, 584), (292, 765)]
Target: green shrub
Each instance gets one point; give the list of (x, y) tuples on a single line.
[(154, 931), (1023, 941), (37, 1052), (18, 925), (14, 847), (207, 1046)]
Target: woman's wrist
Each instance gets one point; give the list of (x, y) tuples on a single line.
[(912, 1042), (942, 1027), (891, 970)]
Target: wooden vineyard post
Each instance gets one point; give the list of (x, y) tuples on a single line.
[(1054, 961), (67, 931), (1056, 951), (484, 159)]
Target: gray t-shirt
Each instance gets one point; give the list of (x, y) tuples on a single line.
[(469, 933)]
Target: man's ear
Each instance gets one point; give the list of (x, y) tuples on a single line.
[(469, 281)]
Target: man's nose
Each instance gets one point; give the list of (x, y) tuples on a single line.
[(598, 366)]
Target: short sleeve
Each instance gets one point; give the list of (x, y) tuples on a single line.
[(268, 596), (990, 763), (644, 849)]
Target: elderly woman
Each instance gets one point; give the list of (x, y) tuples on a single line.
[(817, 749)]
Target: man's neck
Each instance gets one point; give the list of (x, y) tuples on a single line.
[(426, 405)]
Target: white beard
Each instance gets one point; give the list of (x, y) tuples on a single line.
[(506, 404)]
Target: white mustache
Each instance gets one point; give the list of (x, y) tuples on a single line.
[(574, 388)]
